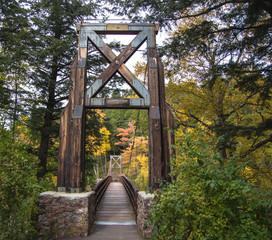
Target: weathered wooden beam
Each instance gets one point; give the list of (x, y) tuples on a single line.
[(78, 135), (167, 126), (62, 150), (113, 28), (66, 130), (154, 124), (117, 103)]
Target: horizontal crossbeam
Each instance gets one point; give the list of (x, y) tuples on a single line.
[(112, 28), (117, 103)]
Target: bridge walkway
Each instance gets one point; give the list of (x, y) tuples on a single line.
[(115, 219)]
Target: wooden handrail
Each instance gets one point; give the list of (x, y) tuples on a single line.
[(131, 191), (100, 189)]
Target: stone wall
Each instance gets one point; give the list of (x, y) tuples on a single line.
[(66, 214), (144, 204)]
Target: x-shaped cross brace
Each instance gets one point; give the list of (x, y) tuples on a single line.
[(117, 64), (115, 162)]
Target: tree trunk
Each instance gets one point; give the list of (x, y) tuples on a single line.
[(48, 121), (15, 117)]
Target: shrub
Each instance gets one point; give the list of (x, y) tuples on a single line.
[(209, 199), (19, 190)]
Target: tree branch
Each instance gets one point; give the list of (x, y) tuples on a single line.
[(258, 145)]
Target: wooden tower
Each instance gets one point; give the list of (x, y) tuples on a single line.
[(72, 121)]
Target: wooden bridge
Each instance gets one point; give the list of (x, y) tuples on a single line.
[(71, 162), (115, 218), (116, 206), (70, 211), (114, 210)]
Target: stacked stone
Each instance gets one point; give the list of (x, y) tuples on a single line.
[(144, 205), (66, 214)]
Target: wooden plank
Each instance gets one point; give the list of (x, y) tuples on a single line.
[(115, 107), (117, 102), (107, 232), (115, 205)]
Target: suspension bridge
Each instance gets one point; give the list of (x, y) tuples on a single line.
[(117, 209)]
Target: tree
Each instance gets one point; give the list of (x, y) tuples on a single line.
[(19, 190), (246, 27), (97, 145), (13, 68), (52, 51), (134, 155), (13, 33), (200, 95)]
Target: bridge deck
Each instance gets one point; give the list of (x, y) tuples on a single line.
[(115, 218), (115, 207)]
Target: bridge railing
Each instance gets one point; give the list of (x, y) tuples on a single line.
[(131, 191), (100, 189)]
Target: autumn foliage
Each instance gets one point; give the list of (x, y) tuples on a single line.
[(134, 155)]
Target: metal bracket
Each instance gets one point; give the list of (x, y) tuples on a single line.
[(136, 102), (96, 40), (78, 111), (98, 101), (139, 39), (61, 189), (75, 190), (142, 90), (81, 63), (152, 62), (93, 90), (155, 113)]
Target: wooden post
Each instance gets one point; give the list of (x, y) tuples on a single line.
[(66, 130), (154, 121), (167, 126), (72, 130), (78, 135)]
